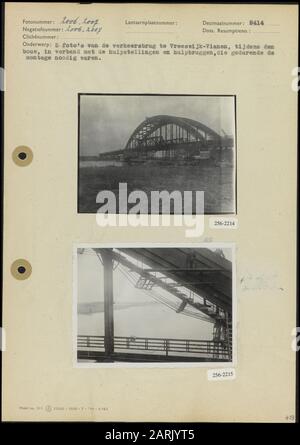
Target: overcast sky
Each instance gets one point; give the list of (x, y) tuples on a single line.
[(106, 122)]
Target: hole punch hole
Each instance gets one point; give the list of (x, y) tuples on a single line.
[(21, 269), (22, 156)]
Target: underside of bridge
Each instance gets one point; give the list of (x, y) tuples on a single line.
[(164, 137), (200, 284)]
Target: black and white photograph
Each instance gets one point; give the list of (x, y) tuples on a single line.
[(153, 305), (151, 142)]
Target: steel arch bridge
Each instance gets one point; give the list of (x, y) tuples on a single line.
[(165, 136), (194, 282), (164, 129)]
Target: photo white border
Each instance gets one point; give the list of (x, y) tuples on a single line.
[(133, 94), (207, 245)]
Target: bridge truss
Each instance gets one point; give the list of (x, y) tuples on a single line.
[(202, 290)]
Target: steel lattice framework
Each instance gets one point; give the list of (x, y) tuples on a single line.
[(166, 137), (165, 129)]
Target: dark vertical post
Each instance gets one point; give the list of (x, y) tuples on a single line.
[(107, 259)]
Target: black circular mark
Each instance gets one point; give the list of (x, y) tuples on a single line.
[(21, 269), (22, 155)]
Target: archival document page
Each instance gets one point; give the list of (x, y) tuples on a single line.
[(150, 212)]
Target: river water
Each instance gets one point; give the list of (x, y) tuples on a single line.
[(149, 321)]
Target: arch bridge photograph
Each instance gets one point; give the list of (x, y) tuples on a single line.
[(157, 143), (154, 304)]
